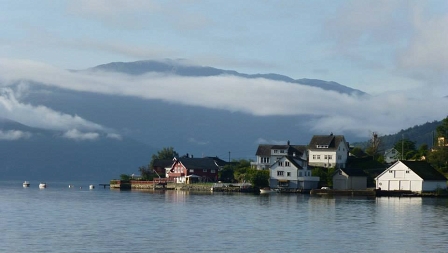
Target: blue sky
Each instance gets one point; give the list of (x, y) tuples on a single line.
[(369, 45), (395, 50)]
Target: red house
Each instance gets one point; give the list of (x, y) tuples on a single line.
[(188, 170)]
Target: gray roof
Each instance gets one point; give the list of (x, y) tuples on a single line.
[(424, 170), (265, 149), (332, 141), (292, 160)]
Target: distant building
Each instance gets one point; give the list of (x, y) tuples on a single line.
[(416, 176), (289, 172), (391, 155), (328, 151), (188, 170), (268, 154), (349, 179)]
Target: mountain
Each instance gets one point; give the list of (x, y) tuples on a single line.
[(420, 134), (45, 155), (172, 67), (145, 126)]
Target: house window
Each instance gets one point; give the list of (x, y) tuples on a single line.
[(213, 171), (280, 164), (265, 160), (282, 151), (330, 157), (390, 171), (339, 157), (279, 173), (191, 170), (325, 157), (407, 171), (340, 172), (300, 173), (287, 164), (314, 157), (275, 151), (318, 157), (288, 174)]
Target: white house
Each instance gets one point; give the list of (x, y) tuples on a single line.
[(268, 154), (328, 151), (416, 176), (290, 172), (391, 155), (349, 179)]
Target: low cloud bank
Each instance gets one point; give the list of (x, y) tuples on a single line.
[(385, 114)]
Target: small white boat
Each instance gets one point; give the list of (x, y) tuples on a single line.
[(26, 184), (42, 185), (266, 190), (70, 186), (91, 187)]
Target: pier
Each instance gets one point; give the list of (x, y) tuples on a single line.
[(104, 185)]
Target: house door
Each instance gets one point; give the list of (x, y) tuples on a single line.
[(405, 185), (394, 185), (340, 184)]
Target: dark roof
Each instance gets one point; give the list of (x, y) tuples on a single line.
[(424, 170), (353, 172), (265, 149), (163, 163), (198, 163), (219, 161), (331, 140), (292, 160)]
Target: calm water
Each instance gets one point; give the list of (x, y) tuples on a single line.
[(59, 219)]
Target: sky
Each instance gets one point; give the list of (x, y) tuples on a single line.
[(396, 51)]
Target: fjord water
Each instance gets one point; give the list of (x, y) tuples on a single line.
[(59, 219)]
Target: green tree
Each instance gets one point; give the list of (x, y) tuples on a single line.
[(438, 158), (125, 177), (357, 152), (259, 178), (442, 129), (226, 175), (147, 172), (406, 148)]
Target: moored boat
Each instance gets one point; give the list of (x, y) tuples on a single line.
[(266, 190), (42, 185), (91, 187), (26, 184)]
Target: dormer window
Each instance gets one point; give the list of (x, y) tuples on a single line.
[(322, 146)]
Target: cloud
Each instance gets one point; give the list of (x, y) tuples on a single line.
[(75, 134), (39, 116), (259, 97), (193, 140), (12, 135), (114, 136), (264, 141)]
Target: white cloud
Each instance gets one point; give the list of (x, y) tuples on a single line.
[(264, 141), (12, 135), (39, 116), (75, 134), (260, 97), (198, 142), (114, 136)]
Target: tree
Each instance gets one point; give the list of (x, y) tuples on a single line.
[(442, 129), (259, 178), (164, 153), (406, 148), (226, 175), (374, 145), (147, 172)]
